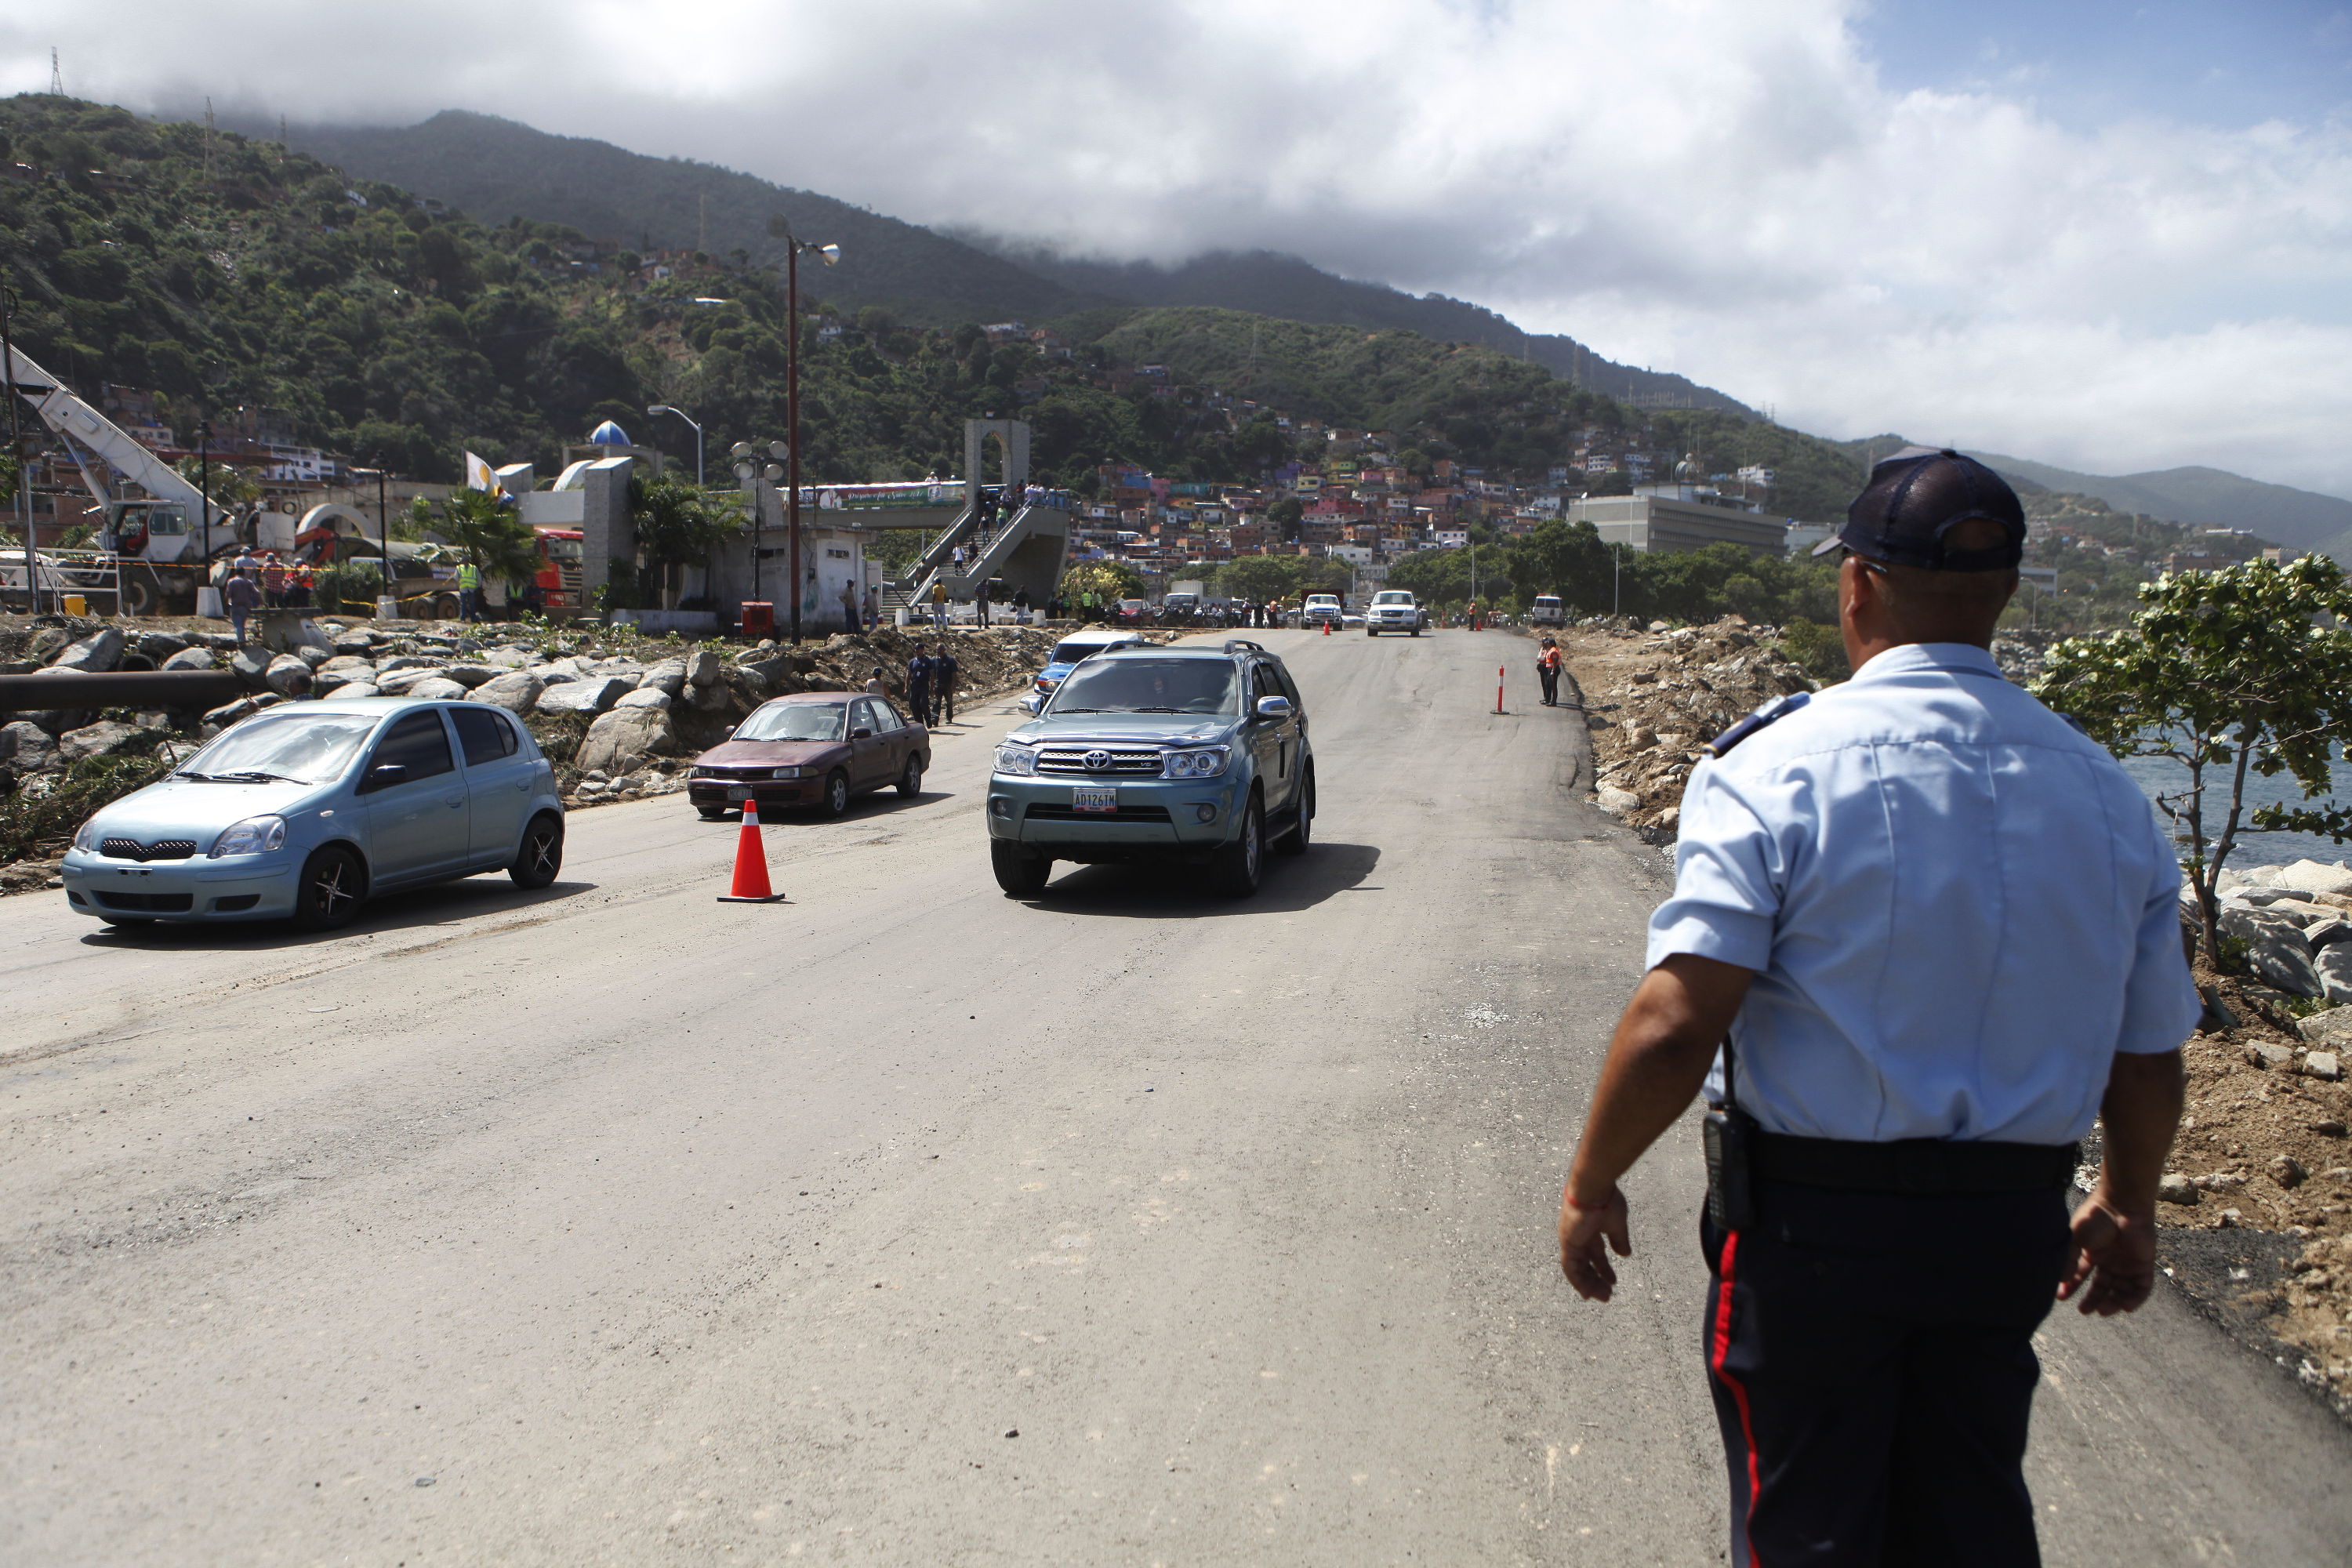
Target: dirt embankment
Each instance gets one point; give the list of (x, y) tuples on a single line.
[(2257, 1224)]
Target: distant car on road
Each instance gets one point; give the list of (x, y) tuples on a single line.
[(1322, 609), (1191, 753), (1394, 610), (1133, 612), (815, 748), (1065, 656), (1547, 611), (305, 811)]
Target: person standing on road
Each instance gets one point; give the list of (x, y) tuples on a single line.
[(243, 595), (919, 687), (1942, 929), (1547, 671), (944, 682), (469, 590), (940, 605)]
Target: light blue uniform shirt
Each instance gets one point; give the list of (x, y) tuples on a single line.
[(1957, 906)]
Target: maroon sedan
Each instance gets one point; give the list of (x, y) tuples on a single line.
[(819, 748)]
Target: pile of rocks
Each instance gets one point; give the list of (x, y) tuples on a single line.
[(614, 710), (1678, 690), (2296, 923)]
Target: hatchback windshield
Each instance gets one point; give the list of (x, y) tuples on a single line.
[(1071, 652), (305, 748), (1126, 685), (795, 721)]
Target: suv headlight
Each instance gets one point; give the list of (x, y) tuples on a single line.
[(254, 835), (1018, 760), (1206, 762)]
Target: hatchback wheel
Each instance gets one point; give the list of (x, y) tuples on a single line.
[(910, 783), (1235, 870), (542, 856), (331, 890)]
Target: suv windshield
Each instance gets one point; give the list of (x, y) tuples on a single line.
[(305, 748), (1392, 598), (1150, 686), (795, 721)]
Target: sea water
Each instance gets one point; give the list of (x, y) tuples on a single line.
[(2155, 774)]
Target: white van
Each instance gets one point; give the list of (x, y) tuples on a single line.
[(1547, 612)]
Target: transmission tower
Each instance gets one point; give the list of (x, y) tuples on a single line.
[(56, 77)]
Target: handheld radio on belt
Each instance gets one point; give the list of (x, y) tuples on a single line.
[(1729, 1137)]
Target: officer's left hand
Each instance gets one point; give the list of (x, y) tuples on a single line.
[(1582, 1257), (2115, 1253)]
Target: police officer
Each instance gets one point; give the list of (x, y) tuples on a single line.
[(1942, 929), (469, 590), (919, 687), (944, 682)]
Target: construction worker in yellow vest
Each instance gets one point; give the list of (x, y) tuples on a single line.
[(469, 590)]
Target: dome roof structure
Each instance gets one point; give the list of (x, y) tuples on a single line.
[(609, 435)]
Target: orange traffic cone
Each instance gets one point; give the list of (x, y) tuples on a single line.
[(751, 885), (1327, 628)]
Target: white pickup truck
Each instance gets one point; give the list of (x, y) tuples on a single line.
[(1394, 610), (1322, 609)]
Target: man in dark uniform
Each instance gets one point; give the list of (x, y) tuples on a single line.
[(919, 687), (1934, 931), (944, 682)]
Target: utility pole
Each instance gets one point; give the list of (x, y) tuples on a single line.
[(831, 253)]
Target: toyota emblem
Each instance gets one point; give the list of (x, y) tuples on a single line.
[(1096, 761)]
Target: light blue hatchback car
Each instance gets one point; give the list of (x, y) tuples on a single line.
[(303, 811)]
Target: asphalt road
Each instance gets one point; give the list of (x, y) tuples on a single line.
[(645, 1228)]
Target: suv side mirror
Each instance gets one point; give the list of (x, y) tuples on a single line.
[(1273, 707), (383, 775)]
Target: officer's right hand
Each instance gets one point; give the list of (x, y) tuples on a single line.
[(2115, 1253), (1582, 1257)]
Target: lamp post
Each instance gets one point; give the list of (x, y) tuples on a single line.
[(749, 469), (682, 413), (831, 255), (17, 445)]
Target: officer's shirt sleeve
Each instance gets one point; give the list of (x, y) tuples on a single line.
[(2160, 1002), (1728, 881)]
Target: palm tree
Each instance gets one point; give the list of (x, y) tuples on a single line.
[(488, 531), (676, 525)]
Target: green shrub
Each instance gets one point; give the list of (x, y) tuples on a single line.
[(1818, 650), (32, 824)]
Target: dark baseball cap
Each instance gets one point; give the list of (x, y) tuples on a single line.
[(1915, 497)]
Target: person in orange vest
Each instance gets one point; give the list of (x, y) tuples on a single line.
[(299, 584), (1548, 662)]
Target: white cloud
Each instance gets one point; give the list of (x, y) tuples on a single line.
[(1717, 186)]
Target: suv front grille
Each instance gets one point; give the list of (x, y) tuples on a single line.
[(161, 849), (1118, 760)]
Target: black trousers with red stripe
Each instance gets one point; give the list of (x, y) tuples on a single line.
[(1872, 1360)]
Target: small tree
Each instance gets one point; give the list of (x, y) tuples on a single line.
[(2244, 671), (488, 533), (1108, 580), (677, 524)]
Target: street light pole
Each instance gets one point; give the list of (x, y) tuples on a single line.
[(832, 254), (682, 413), (17, 444), (205, 480)]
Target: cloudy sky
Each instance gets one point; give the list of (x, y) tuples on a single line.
[(2099, 234)]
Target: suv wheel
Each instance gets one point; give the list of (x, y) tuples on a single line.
[(1299, 837), (1235, 870), (1021, 874)]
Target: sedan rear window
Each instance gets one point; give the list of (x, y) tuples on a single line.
[(1126, 685), (307, 748), (795, 721)]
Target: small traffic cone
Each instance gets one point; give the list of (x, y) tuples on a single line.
[(1327, 628), (750, 886)]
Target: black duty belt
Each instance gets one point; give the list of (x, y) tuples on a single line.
[(1926, 1165)]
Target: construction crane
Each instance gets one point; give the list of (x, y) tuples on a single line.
[(163, 540)]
